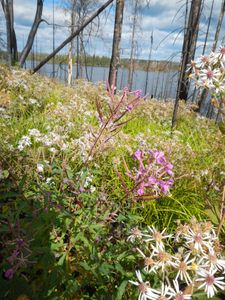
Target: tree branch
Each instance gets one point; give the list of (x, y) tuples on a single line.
[(73, 35)]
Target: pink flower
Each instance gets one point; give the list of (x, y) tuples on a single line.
[(9, 273), (138, 154)]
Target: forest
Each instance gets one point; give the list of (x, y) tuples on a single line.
[(112, 149)]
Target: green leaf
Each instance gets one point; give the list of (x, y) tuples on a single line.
[(61, 260), (121, 290)]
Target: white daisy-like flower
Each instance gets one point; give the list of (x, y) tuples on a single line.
[(163, 259), (148, 262), (209, 75), (212, 261), (135, 234), (210, 282), (177, 294), (164, 293), (157, 237), (144, 287), (199, 240), (183, 267)]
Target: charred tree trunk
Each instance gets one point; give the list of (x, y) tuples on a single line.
[(7, 6), (204, 93), (115, 58), (131, 66), (148, 65), (189, 46), (188, 52), (219, 24), (33, 31)]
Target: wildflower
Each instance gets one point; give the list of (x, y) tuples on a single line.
[(199, 240), (130, 107), (138, 93), (164, 293), (144, 287), (135, 234), (40, 168), (24, 142), (177, 293), (210, 282), (183, 269), (157, 237), (138, 154), (149, 263), (211, 261), (34, 132), (163, 259), (9, 273)]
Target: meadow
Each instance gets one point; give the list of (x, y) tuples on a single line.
[(89, 181)]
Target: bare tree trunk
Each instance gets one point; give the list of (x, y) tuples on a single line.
[(71, 48), (188, 52), (81, 65), (72, 36), (219, 24), (131, 66), (115, 58), (70, 65), (189, 46), (7, 6), (32, 33), (204, 93), (148, 65)]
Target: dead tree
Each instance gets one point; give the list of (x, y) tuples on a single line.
[(115, 58), (71, 47), (188, 52), (219, 24), (131, 64), (148, 64), (7, 6), (72, 36)]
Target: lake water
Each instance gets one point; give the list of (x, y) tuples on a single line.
[(161, 85)]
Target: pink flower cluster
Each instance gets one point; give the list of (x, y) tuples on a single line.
[(154, 175)]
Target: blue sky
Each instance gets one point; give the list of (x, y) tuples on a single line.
[(161, 17)]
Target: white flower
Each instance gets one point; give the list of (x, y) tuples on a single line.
[(144, 287), (183, 268), (177, 293), (211, 260), (157, 237), (92, 189), (32, 101), (34, 132), (163, 259), (40, 168), (24, 141), (148, 262), (210, 282), (53, 150), (49, 180), (199, 240), (164, 293), (135, 234)]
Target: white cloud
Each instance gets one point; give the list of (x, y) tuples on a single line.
[(160, 17)]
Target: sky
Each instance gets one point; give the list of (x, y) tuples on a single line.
[(162, 18)]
